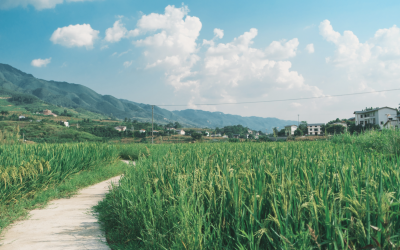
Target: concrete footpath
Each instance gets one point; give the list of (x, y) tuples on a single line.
[(63, 224)]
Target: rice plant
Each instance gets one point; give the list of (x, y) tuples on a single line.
[(296, 195)]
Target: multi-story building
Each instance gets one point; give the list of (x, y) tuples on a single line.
[(289, 130), (315, 128), (377, 116)]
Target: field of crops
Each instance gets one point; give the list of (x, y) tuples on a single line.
[(33, 174), (295, 195)]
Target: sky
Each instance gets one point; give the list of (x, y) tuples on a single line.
[(214, 52)]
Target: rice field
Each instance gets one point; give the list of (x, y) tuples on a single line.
[(295, 195), (30, 175)]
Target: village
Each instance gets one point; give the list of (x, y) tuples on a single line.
[(130, 130)]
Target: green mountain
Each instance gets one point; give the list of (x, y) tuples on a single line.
[(219, 119), (77, 96)]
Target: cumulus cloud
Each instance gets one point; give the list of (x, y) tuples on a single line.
[(282, 50), (118, 31), (40, 62), (37, 4), (372, 64), (171, 43), (310, 48), (349, 49), (237, 64), (75, 36), (226, 71)]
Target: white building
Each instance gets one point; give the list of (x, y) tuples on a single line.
[(289, 130), (66, 124), (21, 117), (250, 131), (207, 133), (216, 135), (142, 131), (377, 116), (315, 128), (180, 132), (120, 128)]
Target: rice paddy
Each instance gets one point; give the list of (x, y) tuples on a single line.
[(295, 195), (31, 175)]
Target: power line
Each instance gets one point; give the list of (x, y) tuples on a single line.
[(281, 100)]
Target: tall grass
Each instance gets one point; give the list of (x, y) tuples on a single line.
[(33, 174), (296, 195), (386, 141)]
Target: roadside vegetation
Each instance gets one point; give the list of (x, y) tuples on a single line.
[(31, 175), (296, 195)]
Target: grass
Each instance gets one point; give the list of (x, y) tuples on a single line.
[(19, 210), (386, 141), (31, 175), (295, 195)]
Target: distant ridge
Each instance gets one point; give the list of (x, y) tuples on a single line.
[(219, 119), (78, 96)]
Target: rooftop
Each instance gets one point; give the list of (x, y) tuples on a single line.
[(372, 110), (315, 124)]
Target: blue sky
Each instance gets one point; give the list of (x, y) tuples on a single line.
[(169, 52)]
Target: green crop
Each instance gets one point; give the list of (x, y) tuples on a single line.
[(295, 195)]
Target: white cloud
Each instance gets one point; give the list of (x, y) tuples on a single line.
[(127, 64), (75, 36), (282, 50), (310, 48), (116, 33), (37, 4), (171, 43), (219, 33), (40, 62), (374, 64), (104, 47), (227, 71)]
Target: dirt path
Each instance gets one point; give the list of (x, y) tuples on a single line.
[(63, 224)]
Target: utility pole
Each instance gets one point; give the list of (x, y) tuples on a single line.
[(152, 122)]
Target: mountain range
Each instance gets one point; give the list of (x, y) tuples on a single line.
[(78, 96)]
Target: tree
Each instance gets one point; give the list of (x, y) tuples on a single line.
[(303, 128), (177, 125), (5, 112), (275, 130), (197, 136), (282, 132), (298, 132)]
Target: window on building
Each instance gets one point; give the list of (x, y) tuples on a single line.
[(381, 123), (361, 122), (361, 116), (315, 129)]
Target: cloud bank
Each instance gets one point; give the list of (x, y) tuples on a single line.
[(212, 71)]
